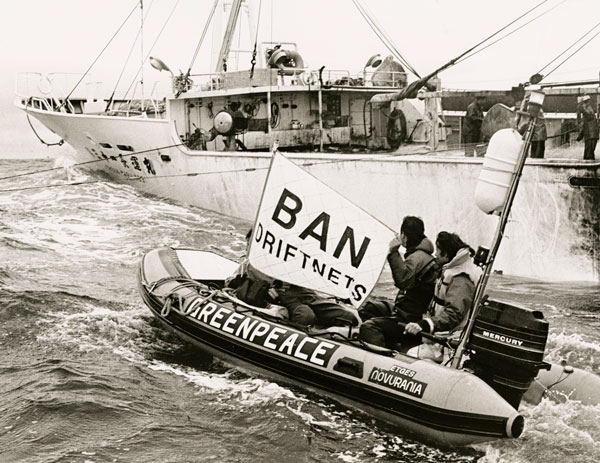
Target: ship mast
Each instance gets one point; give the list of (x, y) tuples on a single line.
[(142, 53), (228, 36)]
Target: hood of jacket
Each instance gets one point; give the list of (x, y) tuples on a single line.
[(425, 245), (462, 264)]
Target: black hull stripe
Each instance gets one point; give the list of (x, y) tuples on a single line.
[(426, 415)]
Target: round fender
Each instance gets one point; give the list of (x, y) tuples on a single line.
[(44, 85), (309, 78), (223, 122), (396, 128)]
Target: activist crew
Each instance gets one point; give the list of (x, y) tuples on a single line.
[(454, 293), (305, 307), (414, 275)]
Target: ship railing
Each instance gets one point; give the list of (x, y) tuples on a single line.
[(153, 105), (55, 91), (330, 77), (56, 85)]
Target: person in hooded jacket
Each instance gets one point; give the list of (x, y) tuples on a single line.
[(453, 298), (305, 307), (540, 135), (472, 125), (589, 127), (414, 275)]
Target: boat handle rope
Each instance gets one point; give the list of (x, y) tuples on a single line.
[(166, 308), (186, 283), (567, 370)]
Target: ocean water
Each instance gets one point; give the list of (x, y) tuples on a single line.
[(86, 375)]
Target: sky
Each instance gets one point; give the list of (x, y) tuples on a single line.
[(67, 35)]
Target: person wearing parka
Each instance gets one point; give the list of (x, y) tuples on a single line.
[(538, 139), (589, 132), (472, 125), (453, 298), (304, 306), (414, 275)]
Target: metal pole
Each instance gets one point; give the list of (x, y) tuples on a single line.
[(142, 48), (320, 119), (269, 115), (479, 292)]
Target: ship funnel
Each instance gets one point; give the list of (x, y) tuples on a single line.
[(159, 64)]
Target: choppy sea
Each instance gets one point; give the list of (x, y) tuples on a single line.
[(86, 375)]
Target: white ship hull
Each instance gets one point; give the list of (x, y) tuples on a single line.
[(553, 234)]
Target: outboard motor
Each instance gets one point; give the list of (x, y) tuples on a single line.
[(507, 348)]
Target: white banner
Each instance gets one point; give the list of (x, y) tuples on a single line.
[(309, 235)]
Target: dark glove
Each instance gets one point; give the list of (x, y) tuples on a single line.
[(580, 137)]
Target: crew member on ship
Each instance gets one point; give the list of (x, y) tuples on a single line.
[(453, 298), (538, 140), (472, 125), (305, 307), (589, 126), (415, 276)]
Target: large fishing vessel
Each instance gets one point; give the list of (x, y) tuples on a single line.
[(387, 146)]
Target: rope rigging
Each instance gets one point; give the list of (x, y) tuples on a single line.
[(191, 174), (151, 48), (110, 100), (514, 30), (58, 143), (253, 60), (24, 174), (383, 36), (568, 48), (464, 55), (98, 57), (208, 21)]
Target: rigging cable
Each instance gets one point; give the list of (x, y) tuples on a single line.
[(512, 32), (58, 143), (110, 100), (208, 21), (142, 53), (98, 57), (24, 174), (572, 54), (456, 60), (150, 51), (382, 35), (195, 174), (253, 60), (10, 190)]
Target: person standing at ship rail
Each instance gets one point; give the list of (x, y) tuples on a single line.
[(305, 307), (538, 140), (589, 132), (414, 276), (453, 297), (540, 134), (472, 125)]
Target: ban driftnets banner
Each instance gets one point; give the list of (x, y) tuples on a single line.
[(309, 235)]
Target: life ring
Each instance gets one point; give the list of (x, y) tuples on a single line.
[(396, 128), (44, 85), (309, 78)]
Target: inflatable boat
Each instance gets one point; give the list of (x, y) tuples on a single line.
[(431, 402)]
